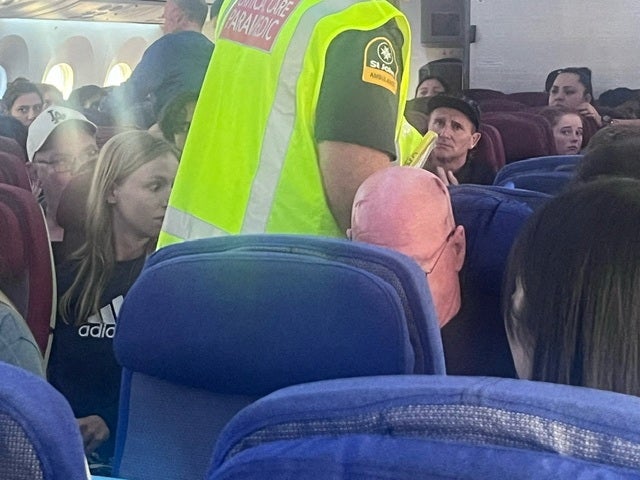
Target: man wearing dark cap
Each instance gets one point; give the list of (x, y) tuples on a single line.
[(456, 121)]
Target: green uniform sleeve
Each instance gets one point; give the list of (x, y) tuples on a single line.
[(358, 101)]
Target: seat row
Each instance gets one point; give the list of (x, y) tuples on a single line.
[(392, 427), (512, 136)]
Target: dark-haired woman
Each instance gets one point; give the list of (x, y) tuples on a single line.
[(23, 101), (572, 290)]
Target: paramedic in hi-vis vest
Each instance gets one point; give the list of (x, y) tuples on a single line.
[(302, 101)]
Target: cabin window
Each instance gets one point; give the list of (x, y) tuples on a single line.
[(3, 81), (60, 76), (117, 74)]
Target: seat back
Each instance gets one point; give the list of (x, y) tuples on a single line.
[(489, 150), (13, 171), (26, 249), (38, 432), (551, 183), (551, 163), (524, 134), (481, 94), (408, 427), (10, 145), (475, 341), (531, 99), (213, 324), (501, 105), (590, 129)]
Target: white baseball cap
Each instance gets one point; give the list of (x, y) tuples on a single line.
[(47, 122)]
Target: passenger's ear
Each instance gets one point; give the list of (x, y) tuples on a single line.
[(349, 234), (588, 97), (475, 138), (112, 197), (459, 246)]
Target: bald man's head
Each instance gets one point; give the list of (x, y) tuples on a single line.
[(409, 210)]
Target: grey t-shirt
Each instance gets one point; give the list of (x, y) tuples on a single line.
[(17, 345)]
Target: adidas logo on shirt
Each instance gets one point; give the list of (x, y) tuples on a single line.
[(103, 323)]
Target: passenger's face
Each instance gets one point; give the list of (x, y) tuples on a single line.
[(456, 136), (568, 134), (140, 201), (568, 91), (429, 88), (181, 137), (50, 98), (72, 146), (26, 108)]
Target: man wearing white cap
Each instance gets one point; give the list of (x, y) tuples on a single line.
[(59, 143)]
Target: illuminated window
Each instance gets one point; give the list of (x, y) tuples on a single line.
[(118, 74), (61, 77), (3, 81)]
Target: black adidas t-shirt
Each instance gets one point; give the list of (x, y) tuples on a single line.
[(82, 365), (358, 101)]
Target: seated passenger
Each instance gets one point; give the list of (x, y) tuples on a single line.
[(127, 201), (456, 121), (430, 86), (11, 127), (175, 118), (22, 100), (611, 135), (50, 95), (409, 210), (60, 142), (571, 87), (86, 97), (17, 345), (572, 298), (616, 159), (567, 128)]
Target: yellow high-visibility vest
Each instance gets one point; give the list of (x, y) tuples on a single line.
[(250, 164)]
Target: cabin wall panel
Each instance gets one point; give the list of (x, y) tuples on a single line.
[(49, 42), (519, 42)]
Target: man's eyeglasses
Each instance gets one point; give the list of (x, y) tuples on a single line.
[(438, 253), (62, 163)]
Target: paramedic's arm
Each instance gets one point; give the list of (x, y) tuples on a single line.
[(357, 112), (344, 167)]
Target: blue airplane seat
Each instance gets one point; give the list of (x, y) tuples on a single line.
[(212, 325), (546, 164), (551, 183), (38, 432), (407, 427), (475, 340)]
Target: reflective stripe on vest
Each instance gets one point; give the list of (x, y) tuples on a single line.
[(185, 226)]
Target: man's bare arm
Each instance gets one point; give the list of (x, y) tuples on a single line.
[(344, 166)]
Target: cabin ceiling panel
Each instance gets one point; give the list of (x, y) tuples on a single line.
[(136, 11)]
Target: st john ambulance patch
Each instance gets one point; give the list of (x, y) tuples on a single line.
[(380, 65)]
